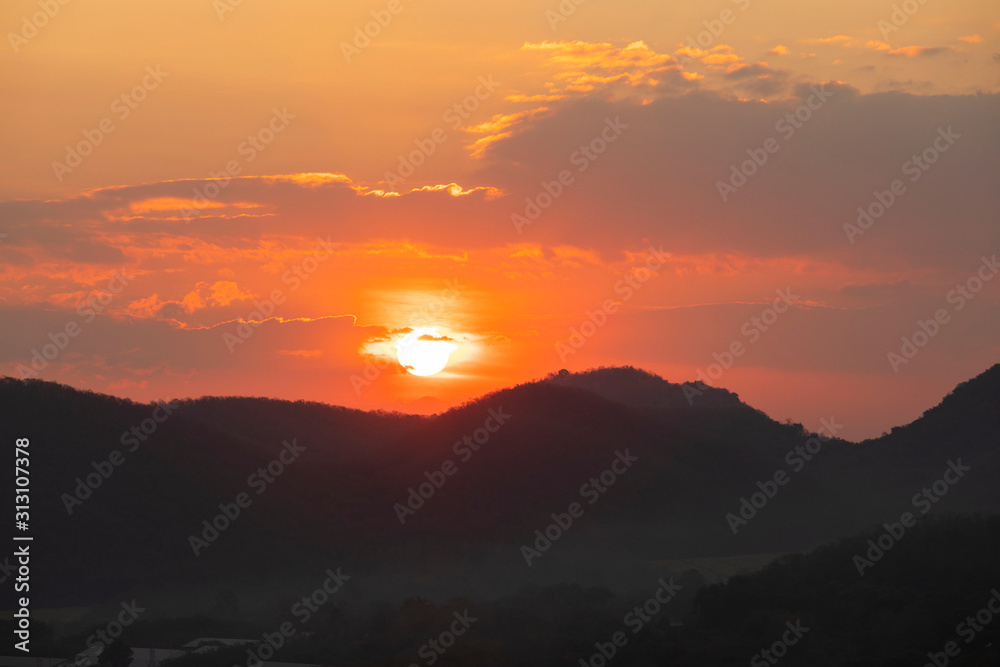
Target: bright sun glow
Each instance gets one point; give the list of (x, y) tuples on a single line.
[(423, 352)]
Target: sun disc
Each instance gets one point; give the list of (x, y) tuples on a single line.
[(422, 352)]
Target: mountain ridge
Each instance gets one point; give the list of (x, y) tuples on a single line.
[(694, 466), (617, 384)]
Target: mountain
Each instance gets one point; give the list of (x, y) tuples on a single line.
[(427, 405), (643, 390), (923, 593), (967, 412), (341, 494), (931, 589)]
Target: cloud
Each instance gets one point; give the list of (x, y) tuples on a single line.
[(224, 292), (847, 42), (920, 51), (759, 79), (718, 57), (500, 127), (803, 196), (600, 68), (634, 63), (642, 187), (325, 246), (836, 39), (436, 339), (220, 294)]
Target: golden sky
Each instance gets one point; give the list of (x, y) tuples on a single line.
[(501, 173)]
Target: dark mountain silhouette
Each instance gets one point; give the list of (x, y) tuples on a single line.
[(968, 412), (643, 390), (335, 504), (908, 604), (931, 588)]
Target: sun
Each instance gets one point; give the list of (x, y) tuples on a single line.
[(424, 352)]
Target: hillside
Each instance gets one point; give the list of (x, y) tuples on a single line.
[(340, 500)]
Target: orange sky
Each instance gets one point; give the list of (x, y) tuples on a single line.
[(507, 174)]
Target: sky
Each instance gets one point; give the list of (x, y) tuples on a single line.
[(220, 197)]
